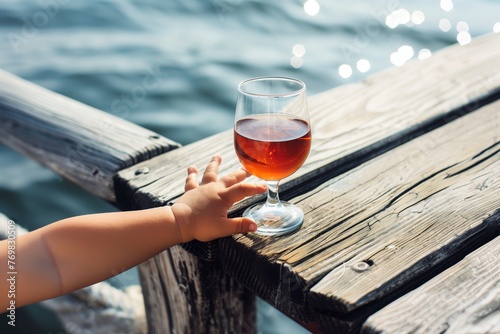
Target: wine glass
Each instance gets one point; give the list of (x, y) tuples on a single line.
[(272, 139)]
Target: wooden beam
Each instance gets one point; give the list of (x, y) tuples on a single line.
[(195, 296), (462, 299), (82, 144)]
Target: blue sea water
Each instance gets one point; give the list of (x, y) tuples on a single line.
[(99, 52)]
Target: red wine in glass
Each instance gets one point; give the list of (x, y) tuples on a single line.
[(272, 147), (272, 139)]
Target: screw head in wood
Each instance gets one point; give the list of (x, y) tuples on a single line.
[(142, 170), (360, 267)]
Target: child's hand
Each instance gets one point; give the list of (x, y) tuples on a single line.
[(201, 213)]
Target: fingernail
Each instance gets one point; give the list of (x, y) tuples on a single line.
[(252, 227)]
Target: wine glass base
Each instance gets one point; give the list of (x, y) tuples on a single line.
[(275, 220)]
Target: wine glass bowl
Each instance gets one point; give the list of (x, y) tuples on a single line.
[(272, 139)]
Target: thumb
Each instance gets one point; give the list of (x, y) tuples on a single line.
[(241, 225), (229, 227)]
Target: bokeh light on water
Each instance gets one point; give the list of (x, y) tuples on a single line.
[(404, 20), (446, 5), (363, 65), (444, 25), (311, 7), (298, 52), (496, 27)]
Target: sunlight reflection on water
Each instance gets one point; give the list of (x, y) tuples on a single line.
[(404, 18)]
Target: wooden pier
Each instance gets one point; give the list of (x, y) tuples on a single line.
[(401, 194)]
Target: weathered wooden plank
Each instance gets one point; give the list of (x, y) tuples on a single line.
[(463, 299), (405, 199), (333, 322), (145, 190), (403, 213), (350, 123), (82, 144), (196, 296)]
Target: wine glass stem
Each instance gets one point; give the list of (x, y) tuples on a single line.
[(273, 198)]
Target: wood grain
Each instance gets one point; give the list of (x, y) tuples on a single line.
[(463, 299), (196, 296), (350, 124), (82, 144), (403, 213)]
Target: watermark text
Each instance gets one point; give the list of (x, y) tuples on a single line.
[(11, 272)]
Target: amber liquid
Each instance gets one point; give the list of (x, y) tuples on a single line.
[(272, 147)]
